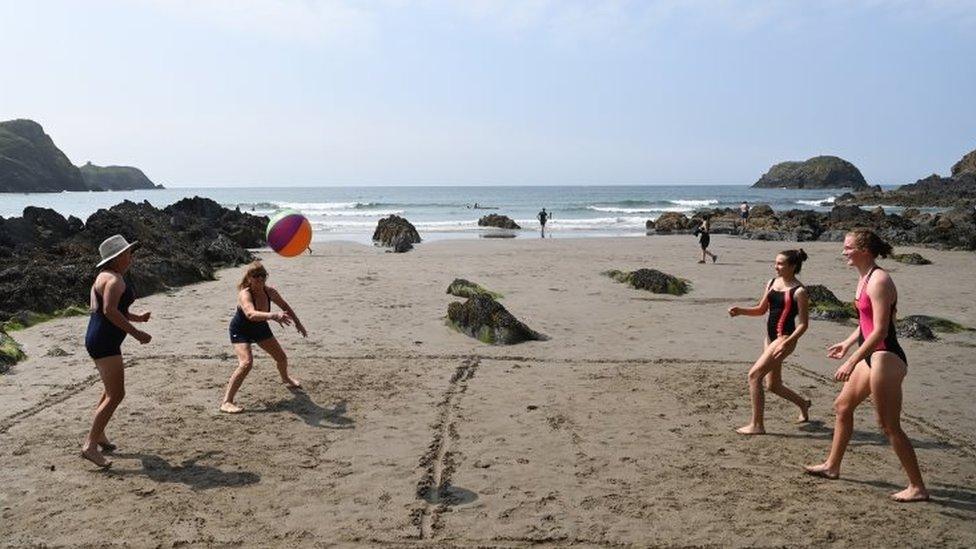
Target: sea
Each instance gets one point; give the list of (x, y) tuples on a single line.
[(443, 212)]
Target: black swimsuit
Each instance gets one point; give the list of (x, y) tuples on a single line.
[(104, 339), (782, 311), (243, 330)]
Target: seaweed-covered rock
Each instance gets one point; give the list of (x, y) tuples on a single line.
[(401, 243), (911, 328), (760, 210), (10, 352), (912, 258), (651, 280), (500, 221), (824, 305), (672, 221), (485, 319), (465, 288), (937, 324), (387, 230)]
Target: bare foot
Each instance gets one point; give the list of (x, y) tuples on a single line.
[(911, 494), (92, 455), (822, 471), (804, 412), (751, 430), (230, 408), (291, 383)]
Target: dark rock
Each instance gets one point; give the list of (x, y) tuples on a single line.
[(485, 319), (912, 258), (760, 210), (913, 329), (465, 288), (31, 163), (824, 305), (938, 324), (401, 243), (10, 352), (651, 280), (500, 221), (388, 228), (820, 172), (115, 178), (244, 229), (649, 225), (965, 165), (671, 221)]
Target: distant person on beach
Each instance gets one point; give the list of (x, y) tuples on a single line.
[(110, 321), (703, 232), (787, 302), (544, 216), (876, 368), (743, 215), (250, 325)]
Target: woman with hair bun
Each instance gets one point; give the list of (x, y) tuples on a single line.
[(787, 302), (877, 366)]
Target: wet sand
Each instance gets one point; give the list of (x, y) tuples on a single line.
[(617, 431)]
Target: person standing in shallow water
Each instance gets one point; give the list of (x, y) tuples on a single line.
[(544, 216), (110, 321), (787, 302), (250, 325), (877, 367), (703, 232)]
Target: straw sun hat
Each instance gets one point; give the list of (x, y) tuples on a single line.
[(112, 247)]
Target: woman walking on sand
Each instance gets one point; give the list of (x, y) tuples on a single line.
[(704, 239), (787, 302), (877, 366), (250, 325), (110, 298)]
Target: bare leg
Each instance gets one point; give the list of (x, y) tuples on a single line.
[(756, 374), (274, 349), (245, 360), (774, 382), (887, 373), (856, 389), (104, 440), (112, 373)]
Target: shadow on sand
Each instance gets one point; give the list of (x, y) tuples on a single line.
[(197, 477), (817, 429), (311, 413)]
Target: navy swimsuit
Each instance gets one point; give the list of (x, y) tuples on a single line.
[(243, 330), (104, 339)]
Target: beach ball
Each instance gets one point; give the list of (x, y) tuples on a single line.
[(289, 233)]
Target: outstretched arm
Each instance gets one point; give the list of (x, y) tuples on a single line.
[(759, 310), (280, 301)]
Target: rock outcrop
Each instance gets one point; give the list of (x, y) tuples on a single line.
[(499, 221), (824, 305), (47, 262), (651, 280), (933, 191), (31, 163), (819, 172), (967, 164), (397, 233), (671, 221), (115, 178), (486, 320)]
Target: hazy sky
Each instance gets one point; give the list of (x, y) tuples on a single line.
[(332, 92)]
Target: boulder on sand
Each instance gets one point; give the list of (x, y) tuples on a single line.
[(824, 305), (912, 258), (500, 221), (672, 221), (390, 228), (486, 320), (651, 280)]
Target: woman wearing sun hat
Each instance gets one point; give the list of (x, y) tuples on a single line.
[(108, 325)]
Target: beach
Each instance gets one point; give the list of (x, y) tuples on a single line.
[(618, 430)]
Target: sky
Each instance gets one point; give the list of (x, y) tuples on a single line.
[(480, 92)]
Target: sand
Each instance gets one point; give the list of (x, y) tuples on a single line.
[(617, 431)]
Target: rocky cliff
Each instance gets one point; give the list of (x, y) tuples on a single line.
[(30, 162), (819, 172), (115, 178)]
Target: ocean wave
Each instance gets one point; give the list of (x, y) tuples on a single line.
[(350, 213), (648, 210), (822, 202), (694, 203)]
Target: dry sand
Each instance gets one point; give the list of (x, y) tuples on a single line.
[(616, 431)]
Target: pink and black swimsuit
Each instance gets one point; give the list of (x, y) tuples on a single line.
[(865, 314), (782, 311)]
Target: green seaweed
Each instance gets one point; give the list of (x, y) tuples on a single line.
[(910, 259), (465, 288), (10, 352), (26, 319), (938, 324)]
